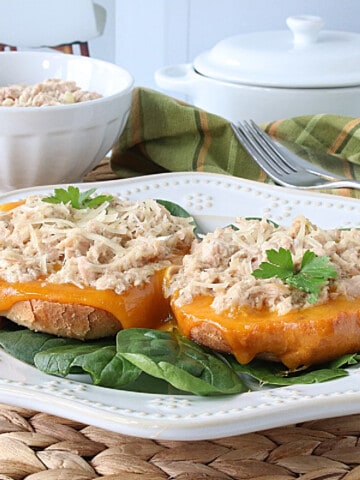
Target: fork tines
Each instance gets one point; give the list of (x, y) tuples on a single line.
[(282, 165), (260, 146)]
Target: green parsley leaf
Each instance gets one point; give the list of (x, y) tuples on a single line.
[(313, 274), (77, 199), (280, 265)]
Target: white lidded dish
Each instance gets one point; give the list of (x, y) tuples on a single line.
[(269, 75)]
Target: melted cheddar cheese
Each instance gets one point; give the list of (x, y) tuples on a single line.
[(298, 338), (140, 306), (6, 207)]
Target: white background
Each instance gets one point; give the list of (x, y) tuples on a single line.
[(144, 35)]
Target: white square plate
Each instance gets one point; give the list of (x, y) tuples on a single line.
[(214, 200)]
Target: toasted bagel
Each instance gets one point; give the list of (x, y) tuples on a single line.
[(64, 319), (88, 272), (299, 338), (219, 303), (92, 313)]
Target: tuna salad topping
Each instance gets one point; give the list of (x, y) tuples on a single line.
[(115, 245), (222, 265)]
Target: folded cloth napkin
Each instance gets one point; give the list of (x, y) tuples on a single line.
[(164, 134)]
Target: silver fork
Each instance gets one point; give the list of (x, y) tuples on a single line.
[(282, 165)]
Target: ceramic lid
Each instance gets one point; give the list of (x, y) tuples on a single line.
[(304, 56)]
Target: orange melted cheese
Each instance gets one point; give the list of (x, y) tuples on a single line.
[(141, 306), (5, 207), (301, 337)]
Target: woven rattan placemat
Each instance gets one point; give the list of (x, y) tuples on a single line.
[(101, 172), (38, 446)]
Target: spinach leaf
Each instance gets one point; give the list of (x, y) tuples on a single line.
[(273, 373), (179, 211), (24, 344), (62, 356), (345, 360), (98, 359), (158, 362), (179, 361)]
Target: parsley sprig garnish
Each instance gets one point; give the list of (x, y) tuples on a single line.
[(313, 274), (76, 198)]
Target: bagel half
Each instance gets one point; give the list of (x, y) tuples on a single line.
[(64, 319), (300, 338), (92, 313), (218, 303), (87, 273)]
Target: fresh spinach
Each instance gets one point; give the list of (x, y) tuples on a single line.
[(23, 344), (273, 373), (166, 356), (105, 367), (179, 361), (156, 361), (345, 360), (98, 360)]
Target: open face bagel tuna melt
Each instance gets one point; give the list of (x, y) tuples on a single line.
[(89, 267), (259, 289)]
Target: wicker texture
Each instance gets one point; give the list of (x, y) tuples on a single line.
[(36, 446), (101, 173)]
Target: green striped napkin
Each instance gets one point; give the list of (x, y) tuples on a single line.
[(166, 135)]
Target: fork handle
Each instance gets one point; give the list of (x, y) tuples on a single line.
[(338, 184)]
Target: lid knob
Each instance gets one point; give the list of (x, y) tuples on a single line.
[(305, 29)]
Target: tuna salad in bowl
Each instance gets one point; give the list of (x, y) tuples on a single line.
[(60, 115)]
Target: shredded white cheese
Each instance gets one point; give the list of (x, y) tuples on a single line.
[(222, 265), (114, 246)]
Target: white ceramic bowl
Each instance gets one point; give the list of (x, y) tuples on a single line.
[(60, 144)]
